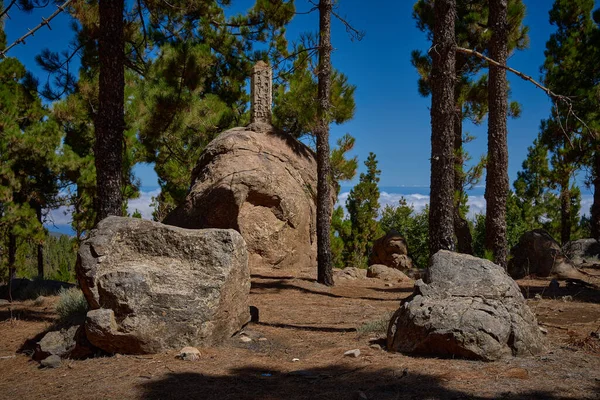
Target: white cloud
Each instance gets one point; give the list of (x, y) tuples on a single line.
[(142, 203)]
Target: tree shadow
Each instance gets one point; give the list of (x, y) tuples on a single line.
[(327, 329), (26, 315), (279, 285), (578, 294), (330, 382), (281, 278)]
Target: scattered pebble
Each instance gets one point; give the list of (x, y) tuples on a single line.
[(375, 346), (543, 330), (245, 339), (189, 354), (362, 396), (262, 339), (389, 285), (52, 361), (295, 359), (352, 353), (567, 298)]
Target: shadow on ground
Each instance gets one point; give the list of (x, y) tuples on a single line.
[(333, 382), (278, 285)]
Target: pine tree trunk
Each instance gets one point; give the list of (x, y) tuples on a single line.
[(12, 268), (496, 183), (441, 213), (40, 246), (324, 271), (109, 122), (595, 212), (464, 239), (565, 212)]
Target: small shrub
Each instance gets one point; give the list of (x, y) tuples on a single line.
[(71, 305), (378, 327)]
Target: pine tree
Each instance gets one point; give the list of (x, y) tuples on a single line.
[(470, 93), (570, 68), (441, 214), (29, 162), (363, 208), (324, 260), (109, 123), (496, 183)]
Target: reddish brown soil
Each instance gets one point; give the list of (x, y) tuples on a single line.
[(303, 320)]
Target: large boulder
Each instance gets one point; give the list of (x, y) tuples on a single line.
[(467, 307), (583, 251), (263, 184), (153, 287), (537, 253), (385, 273), (391, 250)]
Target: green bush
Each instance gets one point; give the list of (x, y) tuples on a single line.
[(71, 305)]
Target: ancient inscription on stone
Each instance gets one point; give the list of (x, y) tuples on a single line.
[(262, 77)]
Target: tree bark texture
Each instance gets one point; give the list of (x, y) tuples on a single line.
[(565, 212), (40, 246), (496, 183), (109, 122), (595, 212), (441, 213), (464, 239), (12, 268), (324, 260)]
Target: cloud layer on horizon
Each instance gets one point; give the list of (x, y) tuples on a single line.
[(61, 217)]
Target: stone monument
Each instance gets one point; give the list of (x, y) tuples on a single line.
[(261, 96)]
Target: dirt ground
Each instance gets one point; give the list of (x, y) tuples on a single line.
[(297, 352)]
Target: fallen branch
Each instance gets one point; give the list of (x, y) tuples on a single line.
[(45, 21)]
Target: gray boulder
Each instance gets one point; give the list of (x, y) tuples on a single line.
[(467, 307), (583, 251), (263, 184), (67, 343), (537, 253), (153, 287)]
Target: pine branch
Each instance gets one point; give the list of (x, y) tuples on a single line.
[(45, 21), (556, 97), (5, 11)]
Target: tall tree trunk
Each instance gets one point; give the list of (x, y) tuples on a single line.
[(565, 212), (464, 239), (109, 122), (40, 246), (441, 213), (595, 212), (496, 182), (325, 271), (12, 268)]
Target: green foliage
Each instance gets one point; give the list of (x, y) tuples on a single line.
[(343, 168), (71, 305), (413, 226), (295, 110), (363, 208)]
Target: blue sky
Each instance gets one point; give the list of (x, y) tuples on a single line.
[(391, 119)]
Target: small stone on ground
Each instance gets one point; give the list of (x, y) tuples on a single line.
[(352, 353), (189, 354), (51, 362)]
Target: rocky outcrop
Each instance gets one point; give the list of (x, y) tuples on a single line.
[(263, 184), (467, 307), (391, 250), (67, 343), (153, 287), (583, 251), (537, 253), (385, 273), (350, 273)]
